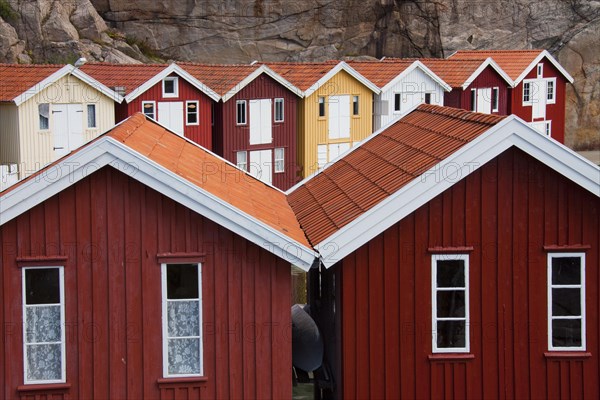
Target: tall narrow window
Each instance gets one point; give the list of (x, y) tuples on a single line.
[(44, 321), (170, 86), (278, 110), (473, 100), (551, 90), (540, 70), (148, 108), (397, 98), (279, 159), (450, 303), (548, 128), (242, 160), (91, 116), (240, 112), (44, 112), (355, 105), (566, 301), (182, 320), (321, 106), (526, 92), (495, 94), (191, 112)]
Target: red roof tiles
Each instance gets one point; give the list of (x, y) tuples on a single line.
[(454, 72), (381, 73), (513, 62), (302, 75), (15, 79), (128, 76), (219, 77), (381, 166)]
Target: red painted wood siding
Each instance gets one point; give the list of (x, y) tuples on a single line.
[(507, 210), (554, 112), (231, 138), (111, 228), (201, 133)]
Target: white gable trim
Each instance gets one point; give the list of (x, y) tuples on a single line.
[(339, 67), (67, 69), (107, 151), (537, 60), (488, 62), (263, 69), (412, 67), (173, 68), (512, 131)]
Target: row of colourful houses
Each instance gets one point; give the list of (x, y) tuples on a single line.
[(280, 121), (451, 254)]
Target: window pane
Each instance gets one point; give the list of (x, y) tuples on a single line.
[(43, 324), (566, 302), (184, 356), (149, 109), (44, 362), (44, 112), (451, 334), (427, 98), (169, 86), (355, 105), (566, 333), (450, 273), (450, 303), (183, 318), (192, 113), (182, 281), (321, 106), (42, 286), (91, 112), (566, 270), (396, 101)]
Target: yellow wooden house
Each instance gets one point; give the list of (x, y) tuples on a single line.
[(335, 113)]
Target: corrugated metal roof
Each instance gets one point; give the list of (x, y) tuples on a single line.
[(219, 77), (381, 73), (127, 76), (382, 165), (513, 62), (15, 79)]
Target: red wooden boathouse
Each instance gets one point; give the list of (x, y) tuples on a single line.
[(143, 266), (461, 262)]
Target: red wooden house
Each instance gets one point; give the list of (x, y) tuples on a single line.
[(540, 84), (462, 262), (139, 224), (255, 123), (477, 85), (166, 93)]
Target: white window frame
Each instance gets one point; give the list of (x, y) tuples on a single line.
[(244, 104), (321, 104), (87, 108), (40, 116), (175, 81), (528, 102), (279, 102), (165, 337), (397, 95), (581, 286), (434, 290), (187, 112), (553, 99), (61, 281), (355, 105), (153, 103), (241, 165), (540, 70), (495, 96), (548, 128), (279, 158)]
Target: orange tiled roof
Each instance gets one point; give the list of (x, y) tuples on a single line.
[(381, 73), (18, 78), (454, 72), (219, 77), (513, 62), (129, 76), (302, 75), (382, 165)]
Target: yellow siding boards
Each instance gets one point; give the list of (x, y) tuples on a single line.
[(313, 130), (36, 146)]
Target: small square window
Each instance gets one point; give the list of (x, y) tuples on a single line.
[(170, 86), (355, 105), (44, 116), (148, 109), (240, 112), (279, 160), (321, 106), (242, 160), (191, 112), (397, 98), (91, 116), (278, 110)]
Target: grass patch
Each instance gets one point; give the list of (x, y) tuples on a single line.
[(6, 11)]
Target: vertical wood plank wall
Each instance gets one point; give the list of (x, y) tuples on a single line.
[(111, 228), (508, 211), (488, 78)]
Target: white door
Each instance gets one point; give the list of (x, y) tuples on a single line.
[(170, 114), (67, 128), (261, 165), (260, 121), (538, 99), (484, 100), (339, 117), (336, 149)]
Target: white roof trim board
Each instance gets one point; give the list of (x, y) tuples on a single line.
[(412, 67), (263, 69), (342, 65), (108, 151), (488, 61), (513, 132), (539, 58), (67, 69), (173, 68)]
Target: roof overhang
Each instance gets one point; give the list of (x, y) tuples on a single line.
[(341, 66), (172, 68), (67, 69), (107, 151), (510, 132), (536, 61), (488, 62), (417, 64), (263, 69)]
